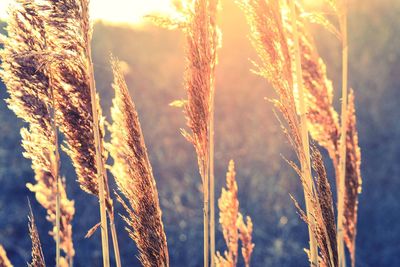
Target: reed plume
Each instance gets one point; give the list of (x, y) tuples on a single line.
[(326, 222), (134, 177), (330, 133), (197, 19), (67, 22), (318, 89), (353, 179), (269, 39), (233, 226), (321, 199), (37, 252), (26, 74), (329, 138), (228, 205), (246, 231), (68, 26), (4, 261)]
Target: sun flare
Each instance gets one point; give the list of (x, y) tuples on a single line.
[(119, 11)]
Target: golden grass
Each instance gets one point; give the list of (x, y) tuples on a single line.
[(270, 42), (37, 252), (353, 179), (233, 225), (342, 15), (4, 261), (306, 164), (228, 205), (134, 177), (246, 236), (197, 19), (48, 70), (321, 200), (341, 141), (78, 106), (26, 74)]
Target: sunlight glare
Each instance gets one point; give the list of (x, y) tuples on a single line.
[(128, 11), (117, 11)]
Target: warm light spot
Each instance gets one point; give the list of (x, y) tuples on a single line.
[(313, 3), (117, 11), (128, 11)]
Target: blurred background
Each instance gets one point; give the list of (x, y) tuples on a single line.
[(246, 131)]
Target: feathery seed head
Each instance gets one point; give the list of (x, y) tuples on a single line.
[(37, 252), (232, 224), (68, 26), (26, 74), (228, 205), (353, 179), (246, 231), (134, 177)]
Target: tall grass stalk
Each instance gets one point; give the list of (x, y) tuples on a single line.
[(99, 160), (197, 19), (114, 236), (213, 6), (99, 164), (206, 221), (343, 133), (305, 166), (56, 172), (212, 185), (58, 226), (4, 261)]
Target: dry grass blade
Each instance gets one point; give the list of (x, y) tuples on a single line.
[(353, 179), (37, 252), (4, 261), (232, 223), (26, 68), (134, 177)]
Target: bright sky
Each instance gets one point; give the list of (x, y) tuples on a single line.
[(126, 11)]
